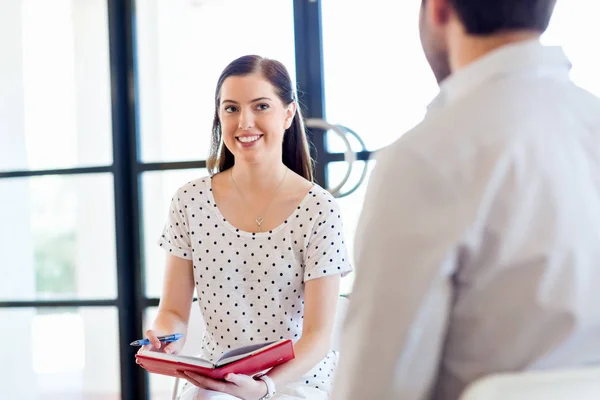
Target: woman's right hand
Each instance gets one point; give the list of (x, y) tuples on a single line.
[(157, 345)]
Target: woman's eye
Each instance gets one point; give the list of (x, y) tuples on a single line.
[(262, 107), (230, 109)]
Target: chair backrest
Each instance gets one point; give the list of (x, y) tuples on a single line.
[(193, 347), (340, 316), (572, 384)]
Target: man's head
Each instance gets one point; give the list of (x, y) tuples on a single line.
[(441, 19)]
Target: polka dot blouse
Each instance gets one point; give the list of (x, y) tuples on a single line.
[(250, 286)]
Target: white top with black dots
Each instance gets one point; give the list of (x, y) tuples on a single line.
[(250, 286)]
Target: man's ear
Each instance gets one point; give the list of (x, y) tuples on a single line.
[(438, 12), (290, 113)]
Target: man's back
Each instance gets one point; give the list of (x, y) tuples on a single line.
[(525, 146), (491, 253)]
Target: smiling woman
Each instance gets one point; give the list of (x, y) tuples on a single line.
[(259, 242)]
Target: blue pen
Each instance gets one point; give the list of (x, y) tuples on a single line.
[(165, 339)]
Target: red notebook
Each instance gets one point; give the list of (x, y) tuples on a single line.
[(249, 360)]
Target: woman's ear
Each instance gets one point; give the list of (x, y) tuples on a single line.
[(290, 113)]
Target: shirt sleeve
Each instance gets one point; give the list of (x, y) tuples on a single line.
[(400, 304), (175, 236), (326, 249)]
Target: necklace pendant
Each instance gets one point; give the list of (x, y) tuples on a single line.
[(259, 221)]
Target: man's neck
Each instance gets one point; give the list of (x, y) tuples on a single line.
[(466, 49)]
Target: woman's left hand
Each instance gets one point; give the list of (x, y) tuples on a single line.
[(243, 386)]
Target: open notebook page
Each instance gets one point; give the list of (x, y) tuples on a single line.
[(243, 352), (200, 362)]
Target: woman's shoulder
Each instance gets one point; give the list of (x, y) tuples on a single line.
[(321, 198), (196, 188), (320, 193)]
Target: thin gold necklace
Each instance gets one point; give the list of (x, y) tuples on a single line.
[(259, 219)]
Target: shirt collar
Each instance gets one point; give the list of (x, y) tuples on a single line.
[(528, 56)]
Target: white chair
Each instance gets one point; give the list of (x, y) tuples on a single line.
[(571, 384), (338, 326), (191, 347), (195, 330)]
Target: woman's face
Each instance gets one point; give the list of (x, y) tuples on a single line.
[(253, 118)]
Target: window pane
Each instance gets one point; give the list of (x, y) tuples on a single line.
[(54, 84), (158, 187), (379, 94), (182, 48), (573, 26), (60, 354), (350, 206), (58, 237)]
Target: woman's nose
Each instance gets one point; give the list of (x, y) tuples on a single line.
[(246, 121)]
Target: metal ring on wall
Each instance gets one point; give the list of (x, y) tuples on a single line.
[(349, 155), (363, 174)]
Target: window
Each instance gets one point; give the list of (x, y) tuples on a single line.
[(60, 353), (573, 26), (61, 239), (57, 215), (55, 111), (377, 80)]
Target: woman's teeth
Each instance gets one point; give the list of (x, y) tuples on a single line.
[(248, 139)]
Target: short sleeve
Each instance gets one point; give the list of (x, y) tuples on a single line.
[(326, 249), (175, 237)]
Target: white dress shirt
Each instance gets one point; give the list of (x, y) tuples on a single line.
[(478, 248)]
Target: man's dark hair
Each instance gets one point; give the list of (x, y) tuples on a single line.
[(486, 17)]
